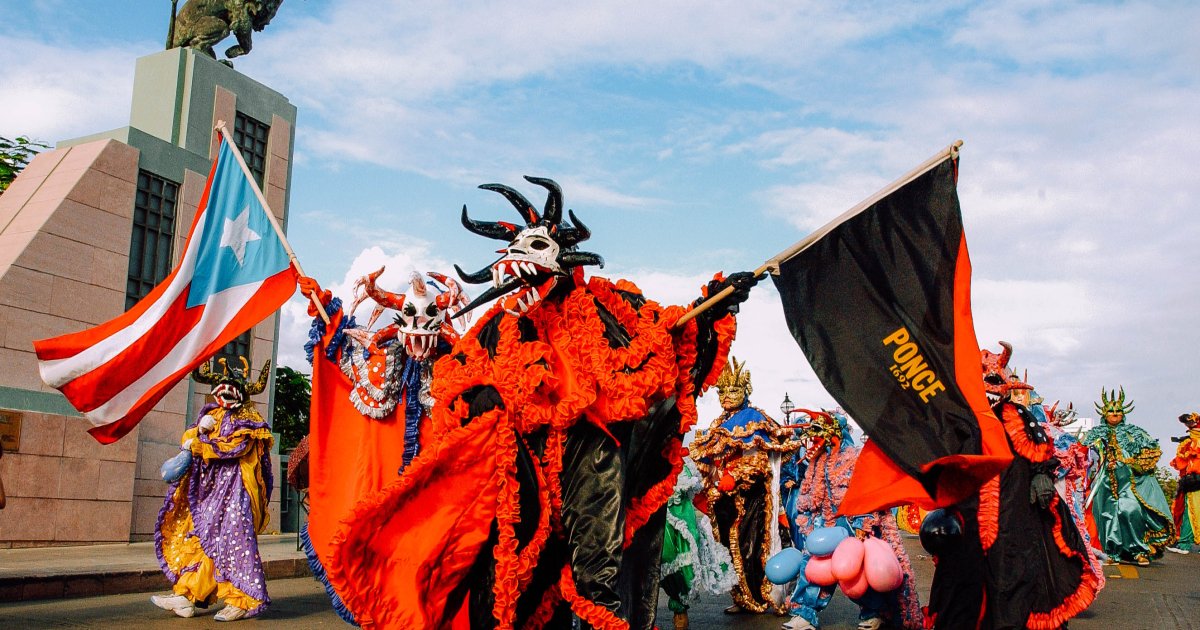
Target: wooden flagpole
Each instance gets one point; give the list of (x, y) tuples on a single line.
[(237, 154), (772, 264)]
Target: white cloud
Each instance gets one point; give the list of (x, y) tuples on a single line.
[(54, 93)]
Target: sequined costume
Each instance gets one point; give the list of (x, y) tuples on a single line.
[(1131, 511), (832, 455), (1186, 508), (692, 560), (205, 537), (369, 415), (740, 456), (558, 419), (1038, 573)]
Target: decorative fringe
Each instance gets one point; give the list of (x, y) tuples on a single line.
[(989, 512), (318, 571)]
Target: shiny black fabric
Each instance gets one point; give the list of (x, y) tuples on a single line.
[(956, 596), (750, 531)]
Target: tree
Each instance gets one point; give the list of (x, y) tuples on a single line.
[(15, 156), (293, 391), (1168, 480)]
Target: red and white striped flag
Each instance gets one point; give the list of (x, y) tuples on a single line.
[(235, 271)]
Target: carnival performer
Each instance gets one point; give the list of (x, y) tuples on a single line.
[(832, 454), (740, 456), (1186, 508), (1132, 516), (205, 537), (1037, 573), (791, 473), (558, 421), (692, 560), (1072, 482), (369, 415)]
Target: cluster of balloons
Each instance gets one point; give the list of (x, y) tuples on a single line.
[(838, 558)]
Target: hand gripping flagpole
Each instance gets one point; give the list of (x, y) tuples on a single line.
[(237, 154), (772, 265)]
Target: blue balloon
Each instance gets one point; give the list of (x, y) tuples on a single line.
[(173, 469), (823, 540), (784, 566)]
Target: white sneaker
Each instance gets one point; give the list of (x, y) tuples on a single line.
[(1179, 551), (178, 604), (230, 613), (870, 624), (798, 623)]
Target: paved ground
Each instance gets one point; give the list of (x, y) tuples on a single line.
[(1164, 596)]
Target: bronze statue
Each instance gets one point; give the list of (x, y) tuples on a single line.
[(202, 23)]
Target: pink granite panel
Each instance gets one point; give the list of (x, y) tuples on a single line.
[(27, 518), (77, 442), (277, 170), (92, 521), (277, 200), (161, 428), (32, 216), (32, 476), (110, 269), (105, 192), (11, 246), (33, 326), (115, 481), (25, 288), (43, 163), (224, 110), (41, 434), (57, 256), (85, 302), (119, 160), (151, 457), (78, 478), (280, 141), (82, 155), (20, 370)]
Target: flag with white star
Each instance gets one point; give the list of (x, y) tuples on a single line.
[(233, 273)]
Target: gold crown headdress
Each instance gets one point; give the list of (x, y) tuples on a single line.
[(1113, 402), (734, 375)]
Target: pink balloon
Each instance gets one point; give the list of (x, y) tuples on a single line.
[(881, 566), (856, 587), (819, 571), (848, 559)]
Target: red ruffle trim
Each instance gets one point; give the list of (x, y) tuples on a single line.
[(1076, 602), (597, 616), (989, 512), (1014, 426)]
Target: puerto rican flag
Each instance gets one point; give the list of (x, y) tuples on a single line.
[(234, 273)]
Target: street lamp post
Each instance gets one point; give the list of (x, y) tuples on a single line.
[(787, 408)]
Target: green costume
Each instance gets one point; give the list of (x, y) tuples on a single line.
[(691, 558), (1133, 519)]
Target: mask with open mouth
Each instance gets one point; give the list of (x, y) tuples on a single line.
[(998, 379), (538, 255), (230, 388), (422, 312)]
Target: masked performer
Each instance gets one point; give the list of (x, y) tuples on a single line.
[(205, 537), (559, 419), (790, 475), (369, 415), (739, 457), (692, 560), (1038, 573), (832, 454), (1132, 516), (1186, 509)]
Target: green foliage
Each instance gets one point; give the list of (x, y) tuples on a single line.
[(1168, 480), (293, 391), (15, 156)]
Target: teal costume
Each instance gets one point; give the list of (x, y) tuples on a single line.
[(1133, 520)]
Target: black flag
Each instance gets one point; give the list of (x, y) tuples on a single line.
[(881, 307)]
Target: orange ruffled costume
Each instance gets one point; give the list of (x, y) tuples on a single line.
[(598, 357)]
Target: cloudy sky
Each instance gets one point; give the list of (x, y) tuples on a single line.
[(697, 136)]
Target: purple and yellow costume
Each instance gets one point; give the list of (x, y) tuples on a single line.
[(205, 537)]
